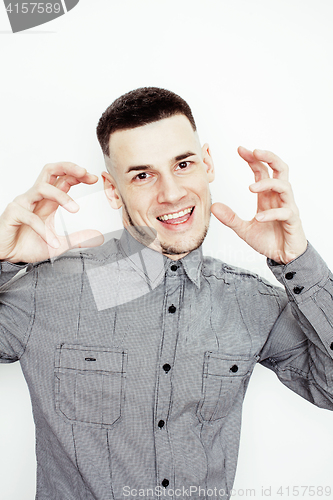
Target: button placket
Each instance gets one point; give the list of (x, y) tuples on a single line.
[(164, 457)]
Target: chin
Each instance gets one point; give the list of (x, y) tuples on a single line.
[(183, 247)]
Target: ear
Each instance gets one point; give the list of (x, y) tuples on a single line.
[(208, 161), (111, 191)]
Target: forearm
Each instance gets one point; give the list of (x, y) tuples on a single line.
[(300, 345), (16, 309), (309, 285)]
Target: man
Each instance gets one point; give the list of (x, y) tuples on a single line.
[(138, 352)]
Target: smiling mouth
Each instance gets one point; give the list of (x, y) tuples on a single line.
[(176, 217)]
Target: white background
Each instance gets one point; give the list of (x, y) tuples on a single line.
[(256, 73)]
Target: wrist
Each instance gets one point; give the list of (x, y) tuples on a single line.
[(289, 257)]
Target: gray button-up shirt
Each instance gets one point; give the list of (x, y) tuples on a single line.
[(137, 365)]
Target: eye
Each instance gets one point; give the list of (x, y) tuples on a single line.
[(183, 165), (142, 176)]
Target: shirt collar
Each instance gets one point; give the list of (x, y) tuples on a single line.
[(192, 263), (152, 265)]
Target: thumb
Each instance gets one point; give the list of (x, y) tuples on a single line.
[(81, 239), (227, 216), (85, 239)]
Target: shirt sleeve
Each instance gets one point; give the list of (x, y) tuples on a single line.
[(16, 309), (299, 348), (8, 271)]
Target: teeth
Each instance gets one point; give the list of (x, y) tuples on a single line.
[(176, 215)]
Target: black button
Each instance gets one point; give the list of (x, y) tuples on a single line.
[(331, 346), (174, 267), (289, 276), (161, 424), (172, 309), (165, 483), (298, 289), (166, 367), (234, 368)]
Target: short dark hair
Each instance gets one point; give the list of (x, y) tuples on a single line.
[(140, 107)]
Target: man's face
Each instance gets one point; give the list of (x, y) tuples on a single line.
[(160, 175)]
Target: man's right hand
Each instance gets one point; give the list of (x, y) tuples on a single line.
[(27, 232)]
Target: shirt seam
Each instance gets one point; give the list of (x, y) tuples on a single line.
[(80, 298), (245, 275), (27, 335)]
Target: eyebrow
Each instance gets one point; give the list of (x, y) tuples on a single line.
[(147, 167)]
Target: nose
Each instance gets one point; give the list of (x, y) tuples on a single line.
[(170, 189)]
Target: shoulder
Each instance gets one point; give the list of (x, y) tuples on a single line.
[(245, 281), (77, 260)]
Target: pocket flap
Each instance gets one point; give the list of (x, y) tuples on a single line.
[(77, 357), (227, 366)]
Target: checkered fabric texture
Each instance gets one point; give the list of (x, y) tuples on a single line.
[(137, 365)]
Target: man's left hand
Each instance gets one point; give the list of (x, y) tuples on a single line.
[(276, 230)]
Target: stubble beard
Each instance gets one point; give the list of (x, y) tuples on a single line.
[(144, 236), (181, 249)]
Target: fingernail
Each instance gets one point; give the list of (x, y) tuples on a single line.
[(260, 217), (71, 206)]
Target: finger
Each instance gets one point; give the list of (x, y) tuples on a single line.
[(64, 183), (52, 170), (284, 214), (18, 215), (87, 178), (67, 181), (44, 191), (258, 168), (228, 217), (283, 188), (279, 167)]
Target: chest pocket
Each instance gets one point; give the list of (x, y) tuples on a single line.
[(223, 377), (90, 383)]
